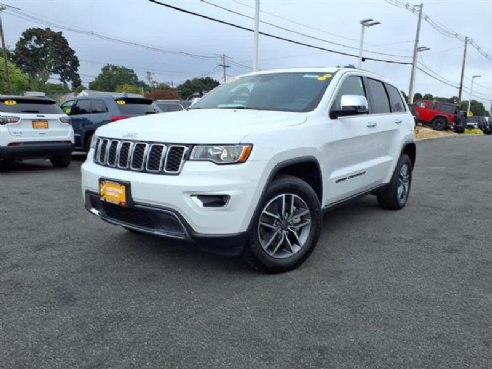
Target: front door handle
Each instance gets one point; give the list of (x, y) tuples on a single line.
[(371, 124), (398, 121)]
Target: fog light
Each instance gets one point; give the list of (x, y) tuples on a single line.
[(211, 201)]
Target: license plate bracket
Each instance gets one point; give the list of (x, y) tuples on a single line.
[(115, 192)]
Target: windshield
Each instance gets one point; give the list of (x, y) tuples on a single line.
[(20, 105), (293, 91)]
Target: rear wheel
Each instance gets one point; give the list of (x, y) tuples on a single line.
[(395, 196), (285, 228), (61, 161), (439, 124)]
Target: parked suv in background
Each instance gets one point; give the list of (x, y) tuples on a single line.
[(250, 167), (167, 106), (33, 127), (91, 112), (439, 115)]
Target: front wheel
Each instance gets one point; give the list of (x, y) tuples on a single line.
[(285, 228), (61, 161), (395, 195)]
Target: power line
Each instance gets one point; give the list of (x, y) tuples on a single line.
[(32, 18), (274, 36), (299, 33), (439, 27)]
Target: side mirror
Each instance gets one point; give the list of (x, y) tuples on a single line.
[(351, 105)]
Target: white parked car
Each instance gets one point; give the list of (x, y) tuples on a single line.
[(250, 168), (34, 127)]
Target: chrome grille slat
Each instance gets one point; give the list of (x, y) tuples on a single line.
[(139, 156)]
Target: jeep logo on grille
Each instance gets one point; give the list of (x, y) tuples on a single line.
[(130, 135)]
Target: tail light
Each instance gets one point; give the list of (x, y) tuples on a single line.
[(9, 120), (65, 120), (118, 117)]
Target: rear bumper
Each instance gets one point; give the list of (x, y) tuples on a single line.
[(163, 222), (34, 150)]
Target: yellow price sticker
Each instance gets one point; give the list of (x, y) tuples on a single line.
[(121, 102), (10, 102), (324, 77)]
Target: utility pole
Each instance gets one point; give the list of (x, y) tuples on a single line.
[(224, 67), (5, 56), (462, 71), (415, 53), (257, 31)]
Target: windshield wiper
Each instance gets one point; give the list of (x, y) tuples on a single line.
[(231, 106), (30, 111)]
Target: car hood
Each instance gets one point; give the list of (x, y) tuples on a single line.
[(200, 126)]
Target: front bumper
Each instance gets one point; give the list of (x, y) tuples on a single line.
[(163, 222), (170, 200), (35, 150)]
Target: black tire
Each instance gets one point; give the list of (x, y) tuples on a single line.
[(439, 124), (391, 198), (61, 161), (294, 237)]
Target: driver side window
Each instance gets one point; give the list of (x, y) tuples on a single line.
[(352, 85)]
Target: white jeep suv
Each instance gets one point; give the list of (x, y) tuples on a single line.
[(250, 168), (34, 127)]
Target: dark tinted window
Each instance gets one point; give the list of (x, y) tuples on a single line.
[(98, 106), (352, 85), (136, 106), (448, 108), (396, 102), (29, 106), (81, 107), (379, 98)]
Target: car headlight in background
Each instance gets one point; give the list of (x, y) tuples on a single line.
[(93, 141), (221, 154)]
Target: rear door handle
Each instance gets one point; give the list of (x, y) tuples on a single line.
[(371, 124), (398, 121)]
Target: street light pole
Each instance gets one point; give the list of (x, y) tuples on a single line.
[(415, 51), (471, 95), (412, 81), (257, 31), (364, 23)]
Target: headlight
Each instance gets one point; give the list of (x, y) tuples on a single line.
[(93, 141), (221, 154)]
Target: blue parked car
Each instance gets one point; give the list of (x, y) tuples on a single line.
[(90, 112)]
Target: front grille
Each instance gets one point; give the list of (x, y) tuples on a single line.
[(140, 156)]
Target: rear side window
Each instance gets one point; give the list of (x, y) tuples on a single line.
[(135, 106), (448, 108), (81, 107), (29, 106), (352, 85), (379, 98), (89, 106), (396, 102)]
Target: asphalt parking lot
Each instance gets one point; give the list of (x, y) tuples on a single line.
[(408, 289)]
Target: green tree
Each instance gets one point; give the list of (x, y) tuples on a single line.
[(476, 107), (18, 79), (428, 97), (42, 52), (417, 96), (129, 88), (197, 85), (112, 76)]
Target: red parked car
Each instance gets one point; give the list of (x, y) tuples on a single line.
[(439, 115)]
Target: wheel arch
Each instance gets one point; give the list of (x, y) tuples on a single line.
[(410, 148), (306, 168)]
